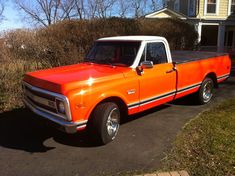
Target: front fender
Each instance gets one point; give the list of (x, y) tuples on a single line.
[(83, 102)]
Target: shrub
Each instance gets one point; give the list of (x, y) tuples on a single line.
[(179, 34), (11, 73), (68, 41)]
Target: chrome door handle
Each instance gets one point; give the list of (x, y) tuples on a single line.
[(172, 70), (169, 71)]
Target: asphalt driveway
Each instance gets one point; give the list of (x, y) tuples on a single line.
[(29, 148)]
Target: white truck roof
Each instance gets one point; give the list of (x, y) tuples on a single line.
[(132, 38), (143, 39)]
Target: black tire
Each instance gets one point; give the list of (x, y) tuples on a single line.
[(104, 122), (205, 93)]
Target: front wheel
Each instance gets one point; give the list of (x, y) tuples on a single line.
[(205, 92), (105, 122)]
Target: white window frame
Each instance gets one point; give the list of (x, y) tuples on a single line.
[(216, 10), (142, 49)]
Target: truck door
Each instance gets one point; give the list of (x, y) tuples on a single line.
[(157, 84)]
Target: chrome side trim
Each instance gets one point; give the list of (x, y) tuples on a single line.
[(187, 88), (56, 95), (162, 96), (158, 97), (223, 76), (132, 107), (150, 100)]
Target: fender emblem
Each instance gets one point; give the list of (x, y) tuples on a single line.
[(132, 91)]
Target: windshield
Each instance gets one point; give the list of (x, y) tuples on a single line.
[(114, 53)]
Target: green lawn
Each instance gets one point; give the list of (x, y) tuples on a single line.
[(206, 145)]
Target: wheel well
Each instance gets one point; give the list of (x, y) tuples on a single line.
[(212, 75), (120, 103)]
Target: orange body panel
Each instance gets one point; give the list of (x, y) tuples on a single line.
[(85, 85)]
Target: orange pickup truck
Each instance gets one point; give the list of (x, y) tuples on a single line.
[(121, 76)]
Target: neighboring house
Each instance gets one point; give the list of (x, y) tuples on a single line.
[(213, 19)]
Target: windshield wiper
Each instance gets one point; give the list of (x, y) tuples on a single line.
[(105, 61), (99, 61)]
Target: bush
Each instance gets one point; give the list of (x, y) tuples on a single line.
[(68, 41), (179, 34), (11, 73)]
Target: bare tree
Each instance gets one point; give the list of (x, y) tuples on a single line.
[(91, 9), (2, 8), (73, 9), (47, 12), (139, 7), (66, 9), (104, 7), (123, 8), (155, 5), (99, 8), (167, 2), (80, 9)]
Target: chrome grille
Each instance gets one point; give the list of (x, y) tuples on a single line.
[(45, 100), (40, 101), (27, 88)]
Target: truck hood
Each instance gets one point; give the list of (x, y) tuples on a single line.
[(66, 78)]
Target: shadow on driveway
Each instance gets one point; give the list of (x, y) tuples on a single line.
[(23, 130)]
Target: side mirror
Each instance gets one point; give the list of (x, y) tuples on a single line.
[(146, 64)]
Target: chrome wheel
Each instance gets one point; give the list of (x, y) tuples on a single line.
[(113, 123), (207, 91)]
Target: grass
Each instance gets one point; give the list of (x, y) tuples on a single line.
[(206, 145)]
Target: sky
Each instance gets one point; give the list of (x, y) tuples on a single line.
[(12, 18)]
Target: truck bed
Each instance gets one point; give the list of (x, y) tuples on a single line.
[(188, 56)]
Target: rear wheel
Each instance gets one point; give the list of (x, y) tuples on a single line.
[(205, 92), (104, 122)]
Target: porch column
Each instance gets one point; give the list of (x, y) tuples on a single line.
[(220, 40), (199, 30)]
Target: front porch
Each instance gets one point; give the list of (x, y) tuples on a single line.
[(216, 37)]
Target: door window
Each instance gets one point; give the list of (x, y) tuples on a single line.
[(155, 52)]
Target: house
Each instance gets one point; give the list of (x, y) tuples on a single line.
[(214, 20)]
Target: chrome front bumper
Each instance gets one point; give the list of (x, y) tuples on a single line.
[(57, 122)]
